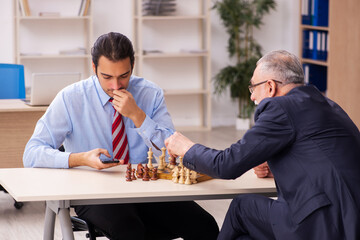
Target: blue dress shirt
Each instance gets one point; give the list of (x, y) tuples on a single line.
[(80, 118)]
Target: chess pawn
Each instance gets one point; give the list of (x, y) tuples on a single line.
[(133, 174), (182, 175), (175, 175), (154, 174), (146, 176), (181, 162), (128, 176), (140, 171), (188, 181), (193, 176), (150, 157)]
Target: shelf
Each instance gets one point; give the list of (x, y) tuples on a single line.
[(185, 91), (38, 18), (310, 27), (189, 17), (53, 56), (178, 57), (173, 55), (317, 62), (57, 41)]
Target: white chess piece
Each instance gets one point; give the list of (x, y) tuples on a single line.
[(181, 162), (175, 175), (193, 176), (150, 157), (182, 175), (163, 150), (187, 181), (162, 164)]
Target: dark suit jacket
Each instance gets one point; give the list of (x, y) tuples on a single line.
[(312, 148)]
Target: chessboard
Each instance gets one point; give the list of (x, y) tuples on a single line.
[(167, 174), (172, 170)]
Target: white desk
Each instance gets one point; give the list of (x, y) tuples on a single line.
[(62, 188), (17, 123)]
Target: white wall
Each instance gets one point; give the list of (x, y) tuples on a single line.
[(280, 31)]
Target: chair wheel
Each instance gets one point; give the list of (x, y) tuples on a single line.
[(18, 205)]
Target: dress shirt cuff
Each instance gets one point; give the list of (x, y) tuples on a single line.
[(150, 132), (147, 128), (62, 160)]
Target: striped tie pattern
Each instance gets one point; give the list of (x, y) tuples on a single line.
[(119, 138)]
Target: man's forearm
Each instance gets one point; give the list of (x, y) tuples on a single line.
[(138, 118), (76, 159)]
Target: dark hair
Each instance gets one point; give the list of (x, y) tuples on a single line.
[(114, 46)]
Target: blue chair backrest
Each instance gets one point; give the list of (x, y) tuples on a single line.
[(12, 83)]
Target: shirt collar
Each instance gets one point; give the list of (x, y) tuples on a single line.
[(104, 98)]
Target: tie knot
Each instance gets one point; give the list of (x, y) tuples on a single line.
[(111, 99)]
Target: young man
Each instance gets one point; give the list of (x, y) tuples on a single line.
[(312, 148), (119, 116)]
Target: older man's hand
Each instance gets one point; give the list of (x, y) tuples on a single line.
[(263, 170), (177, 144)]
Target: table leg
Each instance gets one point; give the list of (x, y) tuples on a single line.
[(49, 223), (65, 223), (62, 209)]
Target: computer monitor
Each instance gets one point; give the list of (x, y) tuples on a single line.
[(45, 86)]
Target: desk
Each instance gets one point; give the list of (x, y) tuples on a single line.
[(62, 188), (17, 123)]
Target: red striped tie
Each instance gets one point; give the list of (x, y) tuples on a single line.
[(119, 138)]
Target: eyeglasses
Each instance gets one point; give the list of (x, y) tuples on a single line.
[(252, 86)]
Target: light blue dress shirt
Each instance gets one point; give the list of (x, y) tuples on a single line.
[(80, 118)]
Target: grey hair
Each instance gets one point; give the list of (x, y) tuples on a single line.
[(285, 66)]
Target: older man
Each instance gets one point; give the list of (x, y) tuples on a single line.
[(312, 148)]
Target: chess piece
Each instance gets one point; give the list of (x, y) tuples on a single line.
[(193, 176), (181, 162), (182, 175), (140, 170), (154, 174), (128, 176), (187, 180), (150, 157), (146, 176), (175, 175), (163, 150), (133, 174), (172, 162), (161, 166), (129, 166)]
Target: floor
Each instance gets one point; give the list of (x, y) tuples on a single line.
[(27, 222)]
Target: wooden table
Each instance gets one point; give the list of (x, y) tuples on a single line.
[(17, 123), (63, 188)]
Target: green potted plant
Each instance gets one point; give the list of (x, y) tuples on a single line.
[(240, 17)]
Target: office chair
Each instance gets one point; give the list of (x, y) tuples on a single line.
[(12, 81), (12, 86), (79, 224), (17, 204)]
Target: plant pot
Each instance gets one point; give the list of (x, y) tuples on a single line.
[(242, 123)]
